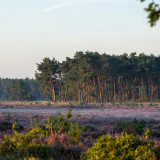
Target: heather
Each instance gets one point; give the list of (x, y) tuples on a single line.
[(69, 136)]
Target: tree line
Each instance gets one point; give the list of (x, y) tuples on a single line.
[(92, 77), (19, 89)]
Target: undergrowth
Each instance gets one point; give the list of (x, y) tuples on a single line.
[(55, 139), (60, 139), (133, 127)]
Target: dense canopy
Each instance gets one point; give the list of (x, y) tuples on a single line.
[(19, 89), (92, 77)]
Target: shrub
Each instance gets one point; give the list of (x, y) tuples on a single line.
[(81, 103), (133, 127), (141, 104), (153, 104), (69, 115), (157, 151), (148, 133), (127, 147), (131, 104), (4, 126), (75, 132), (56, 125), (39, 150), (138, 125)]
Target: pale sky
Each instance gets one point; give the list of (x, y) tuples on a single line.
[(33, 29)]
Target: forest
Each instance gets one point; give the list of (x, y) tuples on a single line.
[(19, 89), (98, 78), (90, 77)]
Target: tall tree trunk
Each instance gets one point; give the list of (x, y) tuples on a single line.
[(115, 91), (54, 95)]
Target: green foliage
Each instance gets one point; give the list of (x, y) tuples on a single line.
[(11, 107), (81, 103), (141, 104), (39, 150), (22, 145), (18, 91), (139, 125), (153, 104), (111, 79), (34, 143), (157, 152), (52, 126), (47, 76), (120, 123), (30, 84), (148, 133), (134, 127), (127, 147), (70, 103), (153, 11), (131, 104), (91, 77), (75, 132), (4, 126), (69, 115)]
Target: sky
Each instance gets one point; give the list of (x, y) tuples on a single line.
[(31, 30)]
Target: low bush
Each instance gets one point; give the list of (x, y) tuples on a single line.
[(131, 104), (4, 126), (69, 115), (127, 147), (133, 127)]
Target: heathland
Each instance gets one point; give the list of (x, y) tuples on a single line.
[(93, 107), (42, 130)]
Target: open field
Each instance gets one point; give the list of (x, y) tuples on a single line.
[(147, 111), (100, 117), (84, 114)]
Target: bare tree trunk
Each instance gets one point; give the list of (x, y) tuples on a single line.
[(54, 95)]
